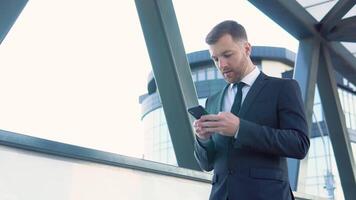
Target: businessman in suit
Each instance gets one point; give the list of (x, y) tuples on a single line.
[(255, 122)]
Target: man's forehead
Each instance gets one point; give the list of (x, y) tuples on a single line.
[(218, 51), (224, 47)]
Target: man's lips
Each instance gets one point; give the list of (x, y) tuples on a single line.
[(227, 72)]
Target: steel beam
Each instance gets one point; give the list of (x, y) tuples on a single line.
[(291, 16), (9, 11), (297, 21), (343, 60), (334, 16), (344, 31), (305, 72), (172, 74), (335, 121)]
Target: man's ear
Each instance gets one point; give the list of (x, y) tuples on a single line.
[(248, 48)]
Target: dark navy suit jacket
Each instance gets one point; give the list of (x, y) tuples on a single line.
[(272, 127)]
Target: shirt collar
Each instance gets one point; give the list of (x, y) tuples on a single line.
[(250, 78)]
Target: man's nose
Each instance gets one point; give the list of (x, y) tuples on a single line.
[(222, 63)]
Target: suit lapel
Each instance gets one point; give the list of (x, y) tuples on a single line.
[(225, 140), (221, 97), (253, 92)]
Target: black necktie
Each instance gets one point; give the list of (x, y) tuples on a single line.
[(238, 97)]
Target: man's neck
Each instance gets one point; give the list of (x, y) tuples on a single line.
[(249, 70)]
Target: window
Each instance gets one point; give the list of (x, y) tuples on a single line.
[(194, 76), (201, 75), (220, 76), (210, 74), (318, 113)]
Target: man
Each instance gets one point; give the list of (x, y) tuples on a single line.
[(248, 136)]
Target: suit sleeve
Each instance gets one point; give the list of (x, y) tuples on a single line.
[(204, 152), (290, 139)]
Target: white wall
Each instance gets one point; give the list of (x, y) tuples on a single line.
[(26, 175), (274, 68)]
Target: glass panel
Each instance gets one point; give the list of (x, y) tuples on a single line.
[(353, 146), (351, 46), (351, 13), (322, 175), (347, 120), (317, 96), (66, 74), (318, 11), (346, 101), (318, 115), (350, 101), (309, 3), (353, 121), (342, 99), (159, 149)]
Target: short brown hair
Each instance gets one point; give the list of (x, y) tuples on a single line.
[(236, 30)]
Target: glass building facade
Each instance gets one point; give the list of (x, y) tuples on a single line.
[(322, 177), (158, 144), (322, 174)]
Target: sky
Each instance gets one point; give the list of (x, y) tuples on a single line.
[(72, 70)]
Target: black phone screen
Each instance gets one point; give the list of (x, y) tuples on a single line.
[(197, 111)]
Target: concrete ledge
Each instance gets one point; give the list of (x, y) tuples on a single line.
[(71, 151), (44, 146)]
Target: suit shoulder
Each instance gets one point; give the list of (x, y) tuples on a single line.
[(213, 98), (282, 81), (213, 101), (285, 86)]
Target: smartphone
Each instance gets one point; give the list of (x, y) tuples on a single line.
[(197, 111)]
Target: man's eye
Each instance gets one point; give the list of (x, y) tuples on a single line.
[(227, 55)]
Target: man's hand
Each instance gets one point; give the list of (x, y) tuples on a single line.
[(199, 130), (224, 123)]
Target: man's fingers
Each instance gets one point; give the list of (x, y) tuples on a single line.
[(203, 134), (213, 129), (195, 123), (208, 124), (209, 118)]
